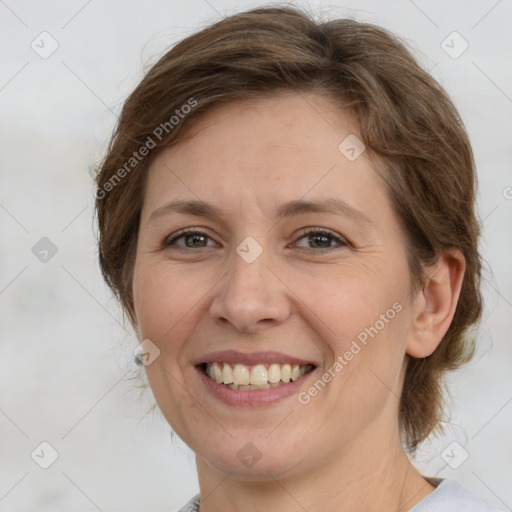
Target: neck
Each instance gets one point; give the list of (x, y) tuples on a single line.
[(371, 476)]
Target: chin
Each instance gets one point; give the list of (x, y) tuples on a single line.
[(254, 460)]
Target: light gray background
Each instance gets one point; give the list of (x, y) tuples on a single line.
[(66, 359)]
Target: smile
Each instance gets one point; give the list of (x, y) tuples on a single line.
[(259, 376)]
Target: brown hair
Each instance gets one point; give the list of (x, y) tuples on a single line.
[(406, 120)]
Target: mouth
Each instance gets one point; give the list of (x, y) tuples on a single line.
[(257, 379), (239, 376)]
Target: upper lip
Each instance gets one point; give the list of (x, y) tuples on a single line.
[(250, 358)]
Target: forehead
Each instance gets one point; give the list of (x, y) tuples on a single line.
[(262, 127), (272, 149)]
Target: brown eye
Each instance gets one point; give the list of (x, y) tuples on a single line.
[(192, 240), (322, 239)]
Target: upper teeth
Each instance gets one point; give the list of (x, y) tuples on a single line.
[(258, 375)]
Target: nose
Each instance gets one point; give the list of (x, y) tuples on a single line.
[(251, 296)]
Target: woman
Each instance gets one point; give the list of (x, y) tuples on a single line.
[(286, 214)]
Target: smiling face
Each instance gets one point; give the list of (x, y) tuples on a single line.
[(257, 282)]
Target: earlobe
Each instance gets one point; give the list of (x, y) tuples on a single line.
[(434, 306)]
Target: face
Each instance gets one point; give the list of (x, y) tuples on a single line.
[(283, 250)]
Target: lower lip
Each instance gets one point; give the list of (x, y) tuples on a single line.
[(251, 397)]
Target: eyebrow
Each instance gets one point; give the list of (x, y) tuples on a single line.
[(286, 210)]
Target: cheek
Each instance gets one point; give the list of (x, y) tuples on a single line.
[(161, 305), (364, 323), (353, 303), (370, 353), (162, 299)]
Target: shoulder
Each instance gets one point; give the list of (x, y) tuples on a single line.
[(449, 496), (191, 506)]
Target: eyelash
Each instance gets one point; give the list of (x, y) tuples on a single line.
[(307, 231)]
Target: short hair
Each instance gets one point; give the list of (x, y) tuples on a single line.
[(407, 122)]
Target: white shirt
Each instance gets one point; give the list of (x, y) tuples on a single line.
[(449, 496)]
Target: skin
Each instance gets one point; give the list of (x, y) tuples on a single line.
[(308, 299)]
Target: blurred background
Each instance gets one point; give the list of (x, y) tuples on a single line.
[(74, 429)]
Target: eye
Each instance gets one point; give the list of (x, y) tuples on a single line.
[(196, 239), (192, 238), (321, 239)]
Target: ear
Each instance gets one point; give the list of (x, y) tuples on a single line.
[(434, 306)]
